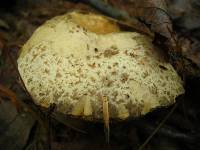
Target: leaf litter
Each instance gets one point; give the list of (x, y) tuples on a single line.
[(154, 14)]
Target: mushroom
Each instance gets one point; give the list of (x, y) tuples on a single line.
[(85, 65)]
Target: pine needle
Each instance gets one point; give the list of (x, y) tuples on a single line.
[(158, 127)]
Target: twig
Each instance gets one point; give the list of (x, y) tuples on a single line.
[(170, 132), (60, 119), (5, 92), (158, 128), (106, 117), (49, 126)]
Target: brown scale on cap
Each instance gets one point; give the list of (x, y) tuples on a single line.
[(139, 79)]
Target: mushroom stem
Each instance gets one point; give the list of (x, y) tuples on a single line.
[(106, 117)]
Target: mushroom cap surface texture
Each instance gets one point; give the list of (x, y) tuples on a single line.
[(76, 59)]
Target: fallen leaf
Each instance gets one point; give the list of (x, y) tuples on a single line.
[(15, 127), (151, 12), (185, 13)]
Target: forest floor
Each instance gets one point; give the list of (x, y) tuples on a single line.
[(25, 126)]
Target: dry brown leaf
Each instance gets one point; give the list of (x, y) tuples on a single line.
[(151, 12)]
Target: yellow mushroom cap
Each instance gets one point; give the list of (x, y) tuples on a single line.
[(75, 59)]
